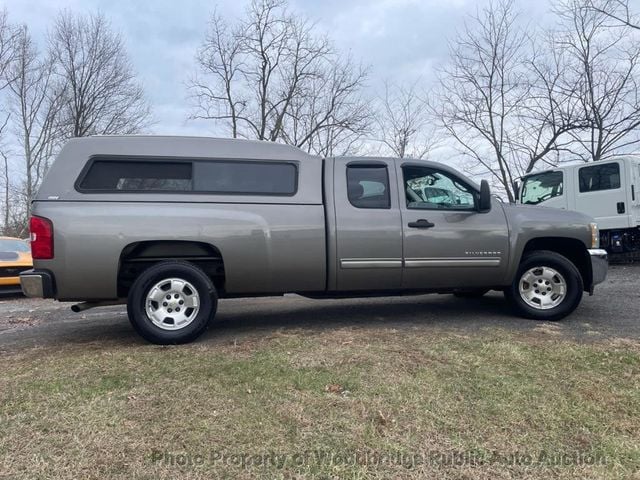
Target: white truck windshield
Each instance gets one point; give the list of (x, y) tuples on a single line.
[(540, 187)]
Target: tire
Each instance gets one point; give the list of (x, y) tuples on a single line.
[(471, 293), (154, 303), (537, 270)]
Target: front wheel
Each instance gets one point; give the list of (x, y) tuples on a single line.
[(172, 302), (547, 286)]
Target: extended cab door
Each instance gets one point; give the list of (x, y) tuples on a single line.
[(447, 242), (368, 232), (602, 194)]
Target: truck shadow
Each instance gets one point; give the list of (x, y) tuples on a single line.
[(260, 317), (591, 321), (329, 314)]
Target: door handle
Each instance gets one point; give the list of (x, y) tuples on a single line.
[(620, 207), (421, 223)]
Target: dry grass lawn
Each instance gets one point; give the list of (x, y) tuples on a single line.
[(335, 403)]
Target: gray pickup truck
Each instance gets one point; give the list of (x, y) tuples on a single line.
[(170, 224)]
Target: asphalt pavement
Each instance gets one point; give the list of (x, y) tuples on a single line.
[(612, 313)]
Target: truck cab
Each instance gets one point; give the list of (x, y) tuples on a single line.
[(605, 190), (423, 222)]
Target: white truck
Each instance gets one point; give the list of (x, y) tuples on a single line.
[(605, 190)]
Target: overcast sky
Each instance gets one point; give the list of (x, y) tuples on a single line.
[(399, 39)]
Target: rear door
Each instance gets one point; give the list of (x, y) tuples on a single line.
[(601, 193), (446, 241), (368, 227)]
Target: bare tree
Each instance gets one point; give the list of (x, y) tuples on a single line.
[(403, 121), (329, 116), (550, 111), (271, 77), (219, 58), (510, 99), (8, 35), (35, 101), (608, 59), (481, 89), (6, 184), (102, 95), (616, 10)]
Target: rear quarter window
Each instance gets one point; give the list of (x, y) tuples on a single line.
[(368, 186), (599, 177), (189, 176)]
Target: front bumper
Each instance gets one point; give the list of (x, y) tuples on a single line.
[(37, 283), (599, 266)]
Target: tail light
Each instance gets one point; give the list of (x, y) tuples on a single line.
[(41, 238)]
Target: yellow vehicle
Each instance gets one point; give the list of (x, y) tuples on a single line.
[(15, 257)]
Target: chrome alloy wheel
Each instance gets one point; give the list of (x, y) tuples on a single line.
[(172, 304), (542, 288)]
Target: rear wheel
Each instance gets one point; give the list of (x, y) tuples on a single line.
[(172, 302), (547, 286)]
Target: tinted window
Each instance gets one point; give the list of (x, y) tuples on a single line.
[(368, 186), (245, 177), (136, 176), (235, 177), (541, 186), (599, 177), (434, 189)]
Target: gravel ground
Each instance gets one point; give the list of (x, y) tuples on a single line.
[(612, 313)]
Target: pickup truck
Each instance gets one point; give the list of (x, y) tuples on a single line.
[(168, 225)]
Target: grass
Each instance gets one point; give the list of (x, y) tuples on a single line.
[(343, 403)]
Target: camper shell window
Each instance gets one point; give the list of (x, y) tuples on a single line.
[(236, 177)]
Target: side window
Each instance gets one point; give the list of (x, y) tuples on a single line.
[(266, 178), (138, 176), (599, 177), (368, 186), (428, 188), (198, 176)]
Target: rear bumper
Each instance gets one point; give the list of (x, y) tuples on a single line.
[(37, 283), (599, 266)]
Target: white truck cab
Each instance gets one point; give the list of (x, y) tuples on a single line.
[(605, 190)]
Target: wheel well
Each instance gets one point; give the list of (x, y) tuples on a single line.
[(570, 248), (136, 257)]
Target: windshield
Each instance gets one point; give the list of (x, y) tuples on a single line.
[(11, 245), (540, 187)]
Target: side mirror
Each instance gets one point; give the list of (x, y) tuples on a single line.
[(484, 202)]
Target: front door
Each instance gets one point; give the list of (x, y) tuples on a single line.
[(446, 241)]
